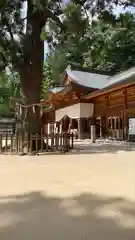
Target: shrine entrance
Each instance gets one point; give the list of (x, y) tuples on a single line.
[(115, 127), (77, 118)]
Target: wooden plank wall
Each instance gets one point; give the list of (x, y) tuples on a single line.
[(115, 103), (131, 97), (118, 104)]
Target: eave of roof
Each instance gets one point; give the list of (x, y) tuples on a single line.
[(115, 82), (87, 79)]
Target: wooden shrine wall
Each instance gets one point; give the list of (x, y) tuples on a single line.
[(116, 102), (72, 96)]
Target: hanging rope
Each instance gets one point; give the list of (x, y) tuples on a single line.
[(41, 111), (33, 108), (26, 111), (30, 105), (22, 110)]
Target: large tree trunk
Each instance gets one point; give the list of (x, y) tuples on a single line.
[(31, 76), (31, 72), (30, 91)]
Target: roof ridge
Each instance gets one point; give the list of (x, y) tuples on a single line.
[(91, 71), (122, 72)]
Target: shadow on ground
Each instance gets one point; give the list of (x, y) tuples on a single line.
[(35, 216)]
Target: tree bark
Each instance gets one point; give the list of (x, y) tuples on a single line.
[(31, 73)]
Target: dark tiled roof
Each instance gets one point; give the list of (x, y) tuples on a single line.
[(88, 79), (123, 78)]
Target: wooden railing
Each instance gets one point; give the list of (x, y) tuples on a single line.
[(28, 143)]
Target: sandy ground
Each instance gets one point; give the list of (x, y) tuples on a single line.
[(76, 196)]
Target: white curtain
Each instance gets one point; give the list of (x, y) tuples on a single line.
[(75, 111)]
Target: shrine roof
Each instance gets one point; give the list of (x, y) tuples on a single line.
[(122, 77), (117, 80), (88, 79)]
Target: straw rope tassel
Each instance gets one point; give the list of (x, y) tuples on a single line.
[(26, 112), (20, 110), (33, 108), (41, 111)]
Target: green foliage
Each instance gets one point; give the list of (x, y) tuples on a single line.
[(9, 87), (74, 38), (112, 47), (49, 81), (105, 46)]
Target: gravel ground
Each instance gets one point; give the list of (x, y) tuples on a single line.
[(76, 196)]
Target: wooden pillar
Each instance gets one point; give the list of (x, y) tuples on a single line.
[(93, 133), (104, 130), (125, 115), (93, 130), (125, 125), (80, 130), (106, 116), (101, 127), (60, 127), (70, 125), (89, 127), (119, 133)]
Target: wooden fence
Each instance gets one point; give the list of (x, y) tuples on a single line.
[(28, 143)]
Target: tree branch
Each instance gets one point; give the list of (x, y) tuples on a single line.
[(10, 31), (48, 14)]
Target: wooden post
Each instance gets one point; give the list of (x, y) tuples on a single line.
[(119, 132), (22, 142), (27, 143), (42, 141), (65, 141), (122, 126), (6, 142), (93, 133), (47, 140), (125, 125), (106, 116), (93, 130), (56, 140), (17, 142), (80, 132), (101, 127), (60, 127), (37, 141), (1, 138), (31, 143), (79, 128), (125, 115), (11, 145), (111, 128), (61, 141), (72, 139)]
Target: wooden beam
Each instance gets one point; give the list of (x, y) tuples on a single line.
[(98, 93), (125, 98)]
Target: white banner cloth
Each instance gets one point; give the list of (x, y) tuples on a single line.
[(79, 110)]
